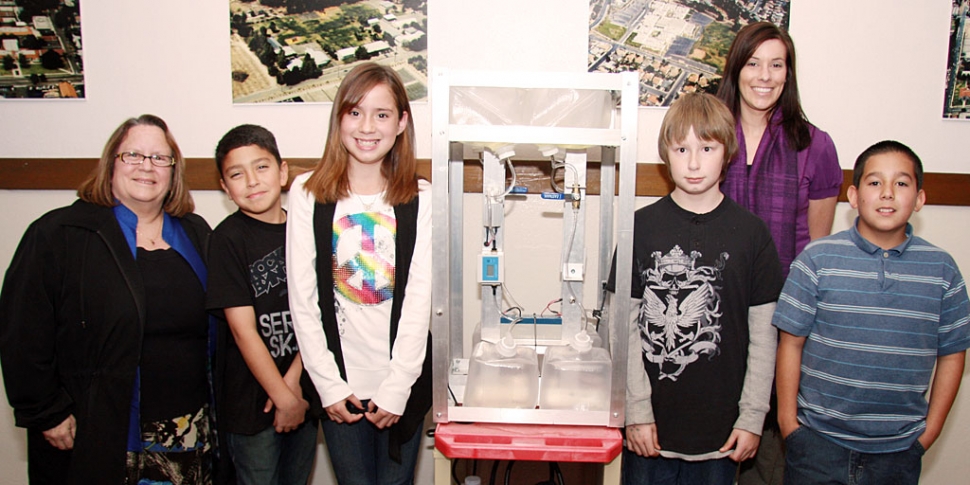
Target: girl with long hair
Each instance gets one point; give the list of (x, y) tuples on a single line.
[(359, 265)]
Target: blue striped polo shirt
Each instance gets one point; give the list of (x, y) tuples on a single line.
[(875, 320)]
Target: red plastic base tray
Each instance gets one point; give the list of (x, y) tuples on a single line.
[(530, 442)]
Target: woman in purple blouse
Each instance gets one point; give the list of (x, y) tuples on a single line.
[(780, 154)]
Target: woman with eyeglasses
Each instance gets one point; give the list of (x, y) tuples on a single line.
[(104, 337)]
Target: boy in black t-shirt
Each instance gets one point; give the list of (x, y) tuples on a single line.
[(706, 278), (268, 399)]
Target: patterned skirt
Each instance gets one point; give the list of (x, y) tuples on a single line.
[(175, 451)]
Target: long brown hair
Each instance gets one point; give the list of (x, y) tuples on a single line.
[(97, 188), (748, 40), (329, 182)]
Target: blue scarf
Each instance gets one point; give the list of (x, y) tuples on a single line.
[(175, 236)]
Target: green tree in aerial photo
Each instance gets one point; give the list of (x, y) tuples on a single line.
[(51, 60)]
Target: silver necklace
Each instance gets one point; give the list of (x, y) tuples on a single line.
[(368, 206), (151, 239)]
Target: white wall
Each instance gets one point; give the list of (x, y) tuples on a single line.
[(868, 70)]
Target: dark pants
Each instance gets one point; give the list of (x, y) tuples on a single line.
[(271, 458), (45, 463), (639, 470), (359, 454), (814, 460)]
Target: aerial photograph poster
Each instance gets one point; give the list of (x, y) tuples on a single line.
[(957, 96), (675, 46), (40, 49), (294, 51)]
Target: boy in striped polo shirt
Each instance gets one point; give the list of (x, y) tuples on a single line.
[(865, 316)]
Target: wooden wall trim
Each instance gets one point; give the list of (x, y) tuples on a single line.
[(652, 181)]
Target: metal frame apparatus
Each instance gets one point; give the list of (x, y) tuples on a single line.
[(447, 321)]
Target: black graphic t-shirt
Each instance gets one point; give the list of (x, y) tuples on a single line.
[(247, 267), (696, 275)]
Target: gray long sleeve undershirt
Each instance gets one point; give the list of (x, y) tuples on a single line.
[(756, 390)]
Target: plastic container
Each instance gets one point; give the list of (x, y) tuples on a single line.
[(503, 375), (576, 377), (555, 107)]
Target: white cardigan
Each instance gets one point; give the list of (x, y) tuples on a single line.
[(364, 329)]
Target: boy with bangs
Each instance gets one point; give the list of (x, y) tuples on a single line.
[(706, 278), (267, 398), (865, 316)]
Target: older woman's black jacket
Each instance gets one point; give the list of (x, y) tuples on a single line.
[(72, 312)]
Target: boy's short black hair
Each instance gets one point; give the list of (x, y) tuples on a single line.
[(246, 135), (887, 146)]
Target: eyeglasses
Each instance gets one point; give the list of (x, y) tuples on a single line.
[(135, 158)]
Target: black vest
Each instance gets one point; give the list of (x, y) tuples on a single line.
[(407, 223)]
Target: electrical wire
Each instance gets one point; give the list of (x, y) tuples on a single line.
[(511, 309), (505, 314), (507, 293), (558, 473), (453, 398), (548, 305), (508, 472), (597, 313), (491, 231), (491, 478)]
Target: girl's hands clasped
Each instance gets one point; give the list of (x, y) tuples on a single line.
[(349, 410), (380, 417)]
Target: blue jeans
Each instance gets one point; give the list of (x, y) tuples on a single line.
[(358, 453), (274, 458), (640, 470), (813, 459)]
